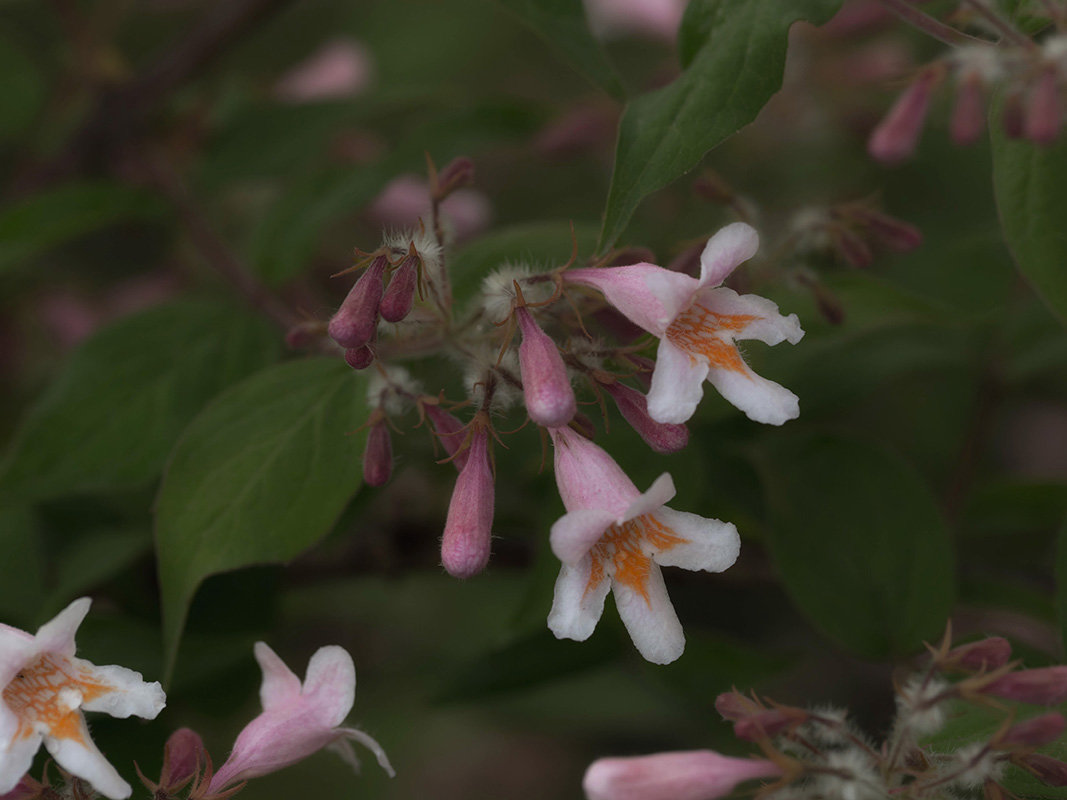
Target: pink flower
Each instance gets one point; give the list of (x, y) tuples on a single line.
[(297, 719), (698, 322), (687, 775), (340, 68), (613, 537)]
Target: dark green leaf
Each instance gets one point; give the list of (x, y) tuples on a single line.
[(1031, 188), (21, 566), (114, 412), (859, 542), (94, 558), (260, 475), (734, 72), (48, 219), (562, 24)]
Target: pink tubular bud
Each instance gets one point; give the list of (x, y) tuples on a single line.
[(1043, 112), (851, 247), (686, 775), (468, 529), (545, 385), (459, 172), (768, 724), (356, 320), (1044, 687), (1048, 770), (399, 295), (378, 455), (450, 433), (184, 756), (892, 232), (987, 654), (663, 437), (359, 357), (968, 115), (895, 138), (734, 705), (304, 334), (1034, 732)]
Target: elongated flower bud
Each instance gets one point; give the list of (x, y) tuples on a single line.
[(1034, 732), (378, 455), (1045, 686), (456, 174), (663, 437), (356, 320), (987, 654), (399, 295), (1043, 111), (896, 136), (468, 529), (450, 433), (546, 387), (1047, 769), (693, 775), (968, 115), (359, 357), (734, 705)]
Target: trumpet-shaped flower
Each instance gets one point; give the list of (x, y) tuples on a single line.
[(297, 719), (45, 691), (614, 537), (698, 323)]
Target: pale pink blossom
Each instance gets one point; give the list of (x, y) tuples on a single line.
[(698, 322), (406, 199), (686, 775), (45, 690), (613, 537), (340, 68), (298, 719)]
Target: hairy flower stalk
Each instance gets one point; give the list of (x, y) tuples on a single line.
[(468, 529)]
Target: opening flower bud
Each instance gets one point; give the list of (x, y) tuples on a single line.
[(468, 529), (378, 454), (399, 295), (663, 437), (356, 320), (546, 387)]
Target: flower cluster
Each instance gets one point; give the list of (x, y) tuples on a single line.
[(537, 339), (821, 753)]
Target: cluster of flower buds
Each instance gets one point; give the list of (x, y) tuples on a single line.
[(821, 753), (852, 230), (1030, 74)]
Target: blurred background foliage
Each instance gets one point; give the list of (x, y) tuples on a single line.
[(154, 159)]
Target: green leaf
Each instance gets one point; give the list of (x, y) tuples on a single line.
[(48, 219), (1030, 183), (24, 89), (260, 475), (123, 398), (562, 24), (21, 566), (1061, 579), (736, 69), (94, 558), (859, 542)]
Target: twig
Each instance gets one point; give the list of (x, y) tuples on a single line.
[(930, 26), (1005, 27)]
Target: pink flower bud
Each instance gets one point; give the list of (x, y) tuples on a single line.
[(1045, 686), (26, 789), (1047, 769), (459, 172), (468, 529), (895, 138), (987, 654), (1034, 732), (545, 385), (663, 437), (968, 115), (184, 756), (450, 433), (1043, 112), (359, 357), (399, 295), (896, 234), (356, 320), (378, 455), (734, 705), (851, 247), (692, 775), (767, 724), (304, 334)]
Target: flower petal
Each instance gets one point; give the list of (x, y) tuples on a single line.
[(677, 384), (711, 545), (17, 749), (762, 400), (661, 491), (280, 685), (330, 684), (57, 635), (78, 755), (127, 694), (342, 747), (649, 296), (17, 648), (768, 324), (576, 532), (650, 619), (578, 601), (725, 251)]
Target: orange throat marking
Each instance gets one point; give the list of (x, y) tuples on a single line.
[(695, 331), (35, 695), (624, 553)]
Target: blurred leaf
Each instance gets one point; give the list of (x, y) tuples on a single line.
[(859, 542), (92, 559), (260, 475), (737, 68), (562, 24), (1012, 506), (24, 89), (1061, 579), (114, 412), (21, 566), (45, 220), (1031, 188)]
